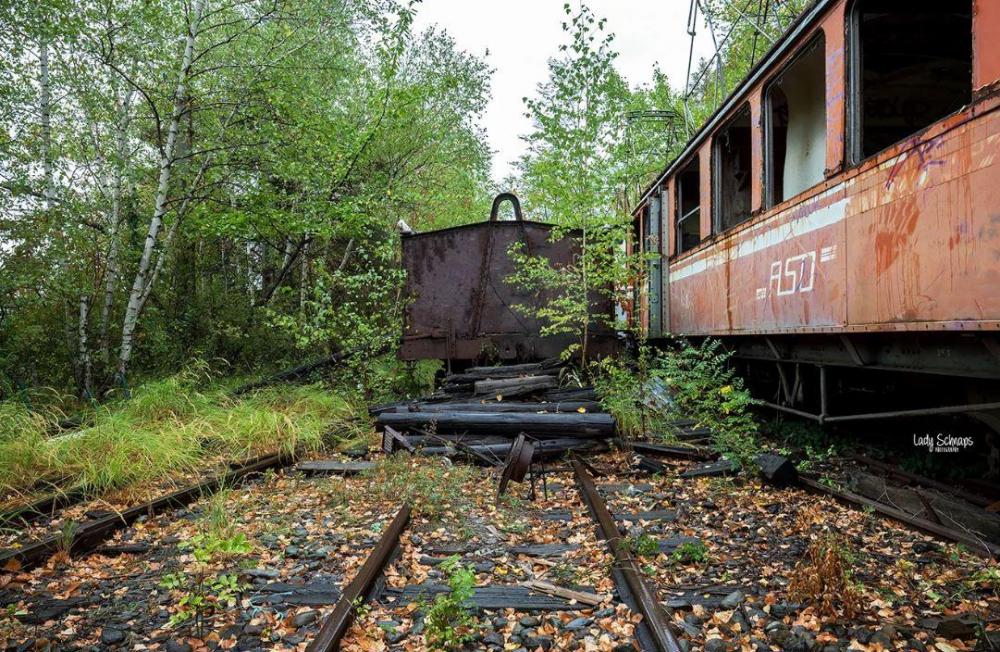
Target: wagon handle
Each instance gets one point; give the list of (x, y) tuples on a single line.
[(499, 199)]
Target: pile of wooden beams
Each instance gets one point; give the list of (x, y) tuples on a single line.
[(477, 413)]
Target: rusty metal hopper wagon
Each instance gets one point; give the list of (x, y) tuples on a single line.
[(459, 303)]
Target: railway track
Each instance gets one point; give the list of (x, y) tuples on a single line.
[(573, 563), (89, 534), (571, 533)]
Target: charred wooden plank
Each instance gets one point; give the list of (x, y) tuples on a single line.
[(497, 373), (525, 368), (682, 452), (651, 465), (505, 406), (393, 439), (491, 597), (515, 386), (582, 394), (544, 549), (906, 476), (580, 597), (777, 470), (543, 447), (713, 469), (361, 586), (646, 601), (511, 424)]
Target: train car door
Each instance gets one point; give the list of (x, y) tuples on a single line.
[(664, 269), (652, 247)]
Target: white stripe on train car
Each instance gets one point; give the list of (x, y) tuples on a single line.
[(818, 219)]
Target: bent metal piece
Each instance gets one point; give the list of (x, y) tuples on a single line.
[(975, 545), (360, 588), (652, 613)]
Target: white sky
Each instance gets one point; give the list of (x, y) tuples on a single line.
[(521, 35)]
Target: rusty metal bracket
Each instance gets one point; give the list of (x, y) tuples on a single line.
[(649, 606), (360, 588), (501, 198)]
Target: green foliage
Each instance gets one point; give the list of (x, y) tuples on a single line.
[(449, 621), (642, 545), (218, 537), (433, 487), (67, 535), (570, 177), (200, 595), (706, 388), (623, 386), (206, 546), (309, 129), (690, 552), (173, 425)]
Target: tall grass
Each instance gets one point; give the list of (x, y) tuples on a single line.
[(169, 426)]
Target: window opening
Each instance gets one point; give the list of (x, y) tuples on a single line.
[(795, 105), (733, 147)]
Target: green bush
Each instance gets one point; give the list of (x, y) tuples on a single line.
[(707, 389), (623, 386)]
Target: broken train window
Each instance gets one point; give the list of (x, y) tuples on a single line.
[(795, 119), (688, 203), (911, 66), (731, 152)]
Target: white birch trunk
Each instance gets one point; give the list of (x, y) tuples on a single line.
[(45, 112), (117, 189), (143, 282), (303, 276), (84, 353)]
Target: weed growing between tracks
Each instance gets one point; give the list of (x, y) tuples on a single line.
[(823, 578), (434, 487), (450, 623)]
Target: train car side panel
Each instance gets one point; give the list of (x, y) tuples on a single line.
[(923, 234)]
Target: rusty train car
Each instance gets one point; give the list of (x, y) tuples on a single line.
[(460, 306), (837, 221)]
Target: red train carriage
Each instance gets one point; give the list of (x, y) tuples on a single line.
[(840, 214)]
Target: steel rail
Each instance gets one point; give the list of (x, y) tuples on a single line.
[(90, 534), (649, 606), (360, 588)]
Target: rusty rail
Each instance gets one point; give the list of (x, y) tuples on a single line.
[(91, 534), (360, 588), (649, 606), (975, 544)]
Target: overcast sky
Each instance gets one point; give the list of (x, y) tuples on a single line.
[(521, 35)]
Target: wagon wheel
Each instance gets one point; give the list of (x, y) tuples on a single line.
[(517, 464)]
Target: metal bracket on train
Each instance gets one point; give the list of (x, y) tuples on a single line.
[(501, 198)]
